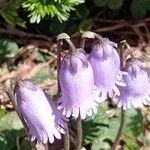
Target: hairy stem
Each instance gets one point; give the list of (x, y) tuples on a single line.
[(10, 92), (120, 129), (66, 140), (66, 136), (46, 146), (58, 64), (82, 44), (79, 134), (121, 48)]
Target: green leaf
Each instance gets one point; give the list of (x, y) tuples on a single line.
[(44, 74), (38, 9), (99, 144), (95, 126), (82, 11), (147, 5), (3, 141), (138, 8), (133, 128), (114, 4), (8, 48), (100, 131), (100, 3), (11, 16), (10, 121), (10, 128), (85, 25), (2, 112), (134, 123), (42, 57)]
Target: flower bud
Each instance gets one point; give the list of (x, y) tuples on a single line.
[(105, 62), (39, 112), (137, 89), (77, 85)]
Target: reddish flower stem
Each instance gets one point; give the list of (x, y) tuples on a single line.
[(79, 133), (121, 48), (9, 89), (66, 136)]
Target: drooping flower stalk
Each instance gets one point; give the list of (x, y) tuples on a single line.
[(79, 133), (121, 47), (60, 38), (9, 89), (77, 87), (45, 123)]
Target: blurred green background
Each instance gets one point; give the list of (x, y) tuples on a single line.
[(27, 42)]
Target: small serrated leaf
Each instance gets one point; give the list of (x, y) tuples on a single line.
[(134, 123)]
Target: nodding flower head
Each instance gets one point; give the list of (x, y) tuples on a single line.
[(77, 85), (105, 62), (39, 112), (137, 89)]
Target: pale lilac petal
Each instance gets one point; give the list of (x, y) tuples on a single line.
[(77, 85), (136, 92), (105, 62), (39, 112), (116, 90)]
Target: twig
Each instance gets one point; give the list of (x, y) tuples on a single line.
[(111, 28), (19, 33), (147, 32), (27, 38), (138, 32), (15, 73), (36, 69), (25, 71)]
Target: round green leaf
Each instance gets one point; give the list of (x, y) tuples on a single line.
[(115, 4), (82, 11), (8, 48), (100, 3), (10, 121), (138, 8), (85, 25), (147, 5)]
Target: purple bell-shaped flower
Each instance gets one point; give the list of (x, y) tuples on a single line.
[(105, 62), (77, 86), (39, 112), (137, 89)]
